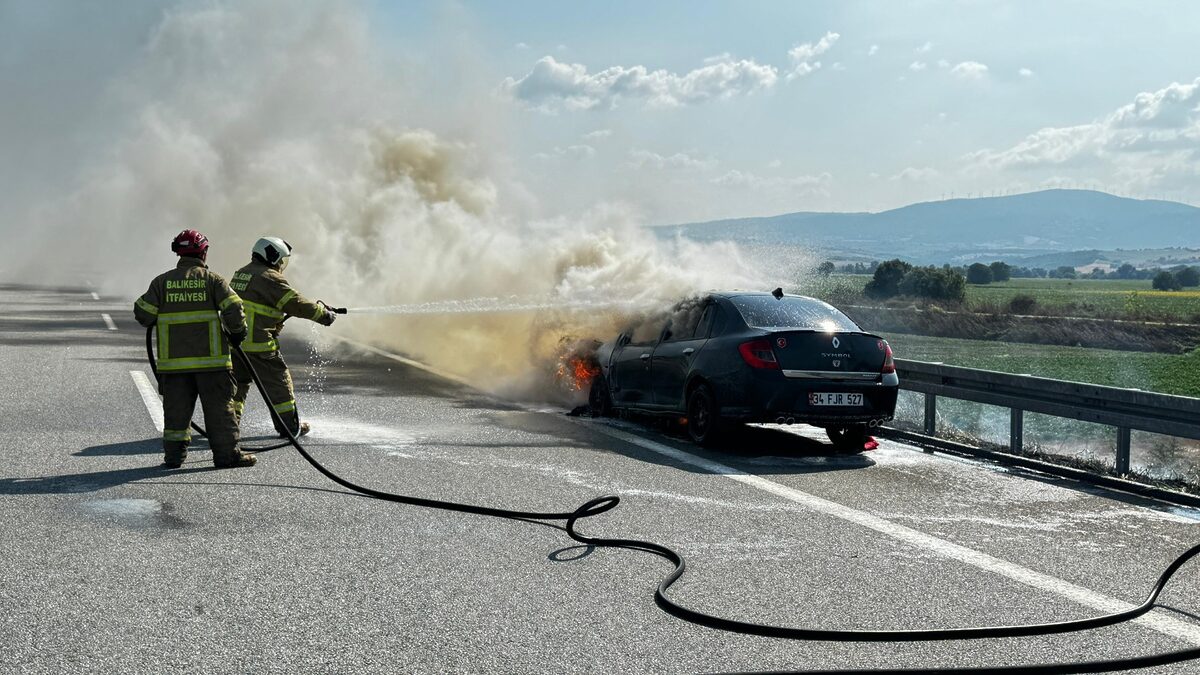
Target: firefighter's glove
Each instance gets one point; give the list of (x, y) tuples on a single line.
[(236, 339), (329, 317)]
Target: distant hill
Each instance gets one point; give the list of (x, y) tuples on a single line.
[(1014, 226)]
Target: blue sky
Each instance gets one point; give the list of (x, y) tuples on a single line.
[(679, 111), (889, 116)]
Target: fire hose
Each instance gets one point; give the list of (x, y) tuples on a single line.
[(599, 505)]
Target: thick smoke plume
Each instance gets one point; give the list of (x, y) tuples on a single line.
[(254, 118)]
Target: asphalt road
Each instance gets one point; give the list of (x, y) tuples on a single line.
[(112, 564)]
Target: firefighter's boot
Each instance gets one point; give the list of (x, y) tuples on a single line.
[(234, 460)]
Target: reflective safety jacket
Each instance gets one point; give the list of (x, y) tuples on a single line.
[(269, 299), (189, 304)]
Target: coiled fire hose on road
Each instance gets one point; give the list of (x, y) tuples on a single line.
[(599, 505)]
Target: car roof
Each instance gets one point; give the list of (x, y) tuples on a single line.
[(739, 294)]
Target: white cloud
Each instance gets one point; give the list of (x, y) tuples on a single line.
[(914, 174), (803, 56), (646, 159), (917, 66), (873, 50), (597, 134), (969, 70), (943, 63), (521, 45), (818, 184), (577, 152), (1025, 72), (837, 65), (1153, 141), (925, 48), (774, 164), (552, 85)]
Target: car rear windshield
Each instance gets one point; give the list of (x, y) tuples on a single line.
[(791, 313)]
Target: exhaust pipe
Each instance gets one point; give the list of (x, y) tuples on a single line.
[(779, 420), (790, 421), (874, 423)]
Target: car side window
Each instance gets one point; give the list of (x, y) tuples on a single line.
[(684, 323), (718, 321), (706, 320), (643, 338)]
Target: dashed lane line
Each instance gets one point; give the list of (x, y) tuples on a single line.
[(1163, 624), (108, 322), (149, 396), (95, 295)]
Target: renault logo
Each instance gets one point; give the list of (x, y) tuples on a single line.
[(836, 342)]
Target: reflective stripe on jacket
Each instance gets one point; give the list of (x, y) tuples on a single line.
[(188, 305), (268, 300)]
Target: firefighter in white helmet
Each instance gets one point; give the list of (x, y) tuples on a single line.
[(269, 300)]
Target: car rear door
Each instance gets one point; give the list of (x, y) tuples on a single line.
[(672, 358)]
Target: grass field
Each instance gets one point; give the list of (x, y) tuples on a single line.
[(1158, 457), (1123, 299), (1165, 373)]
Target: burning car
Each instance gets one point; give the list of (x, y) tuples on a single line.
[(737, 357)]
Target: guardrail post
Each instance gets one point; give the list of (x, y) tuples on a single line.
[(1122, 451), (930, 414), (1016, 430)]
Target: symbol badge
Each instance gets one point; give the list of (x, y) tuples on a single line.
[(837, 364), (781, 342), (836, 342)]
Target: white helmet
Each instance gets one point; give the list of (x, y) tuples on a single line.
[(273, 251)]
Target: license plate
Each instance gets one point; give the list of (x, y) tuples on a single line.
[(835, 398)]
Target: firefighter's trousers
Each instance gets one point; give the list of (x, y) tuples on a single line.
[(276, 380), (215, 389)]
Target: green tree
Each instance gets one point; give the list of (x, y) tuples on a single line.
[(886, 281), (978, 273), (1000, 271), (1188, 277), (1165, 281), (1126, 271), (825, 268), (934, 284)]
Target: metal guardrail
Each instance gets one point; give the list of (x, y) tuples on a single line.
[(1125, 409)]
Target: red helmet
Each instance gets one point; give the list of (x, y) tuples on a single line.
[(190, 242)]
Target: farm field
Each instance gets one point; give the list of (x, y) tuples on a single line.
[(1089, 297), (1165, 373), (1060, 297)]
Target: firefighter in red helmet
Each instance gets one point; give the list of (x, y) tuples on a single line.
[(197, 317)]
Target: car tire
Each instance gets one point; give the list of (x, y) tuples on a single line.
[(703, 424), (849, 438), (599, 398)]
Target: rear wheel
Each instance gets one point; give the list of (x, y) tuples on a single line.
[(702, 422), (599, 398), (848, 438)]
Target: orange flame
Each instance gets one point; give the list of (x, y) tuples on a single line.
[(577, 365)]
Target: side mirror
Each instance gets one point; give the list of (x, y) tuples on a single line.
[(623, 339)]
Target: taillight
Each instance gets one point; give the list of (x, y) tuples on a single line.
[(889, 364), (758, 354)]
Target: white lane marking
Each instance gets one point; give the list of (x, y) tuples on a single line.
[(108, 322), (149, 396), (95, 296), (1155, 621)]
